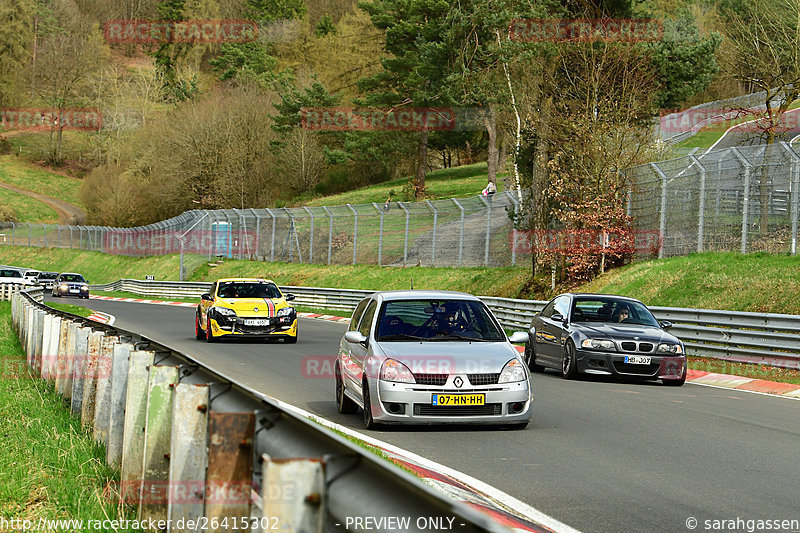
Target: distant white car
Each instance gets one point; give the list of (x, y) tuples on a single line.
[(12, 275), (31, 276)]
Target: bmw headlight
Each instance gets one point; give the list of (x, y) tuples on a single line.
[(599, 344), (84, 287), (64, 287), (224, 311), (513, 371), (670, 348), (396, 371), (286, 311)]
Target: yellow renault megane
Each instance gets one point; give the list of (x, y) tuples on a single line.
[(245, 307)]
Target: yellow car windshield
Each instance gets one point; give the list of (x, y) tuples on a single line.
[(247, 289)]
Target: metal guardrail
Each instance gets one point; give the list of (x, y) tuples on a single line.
[(7, 290), (189, 438), (764, 338)]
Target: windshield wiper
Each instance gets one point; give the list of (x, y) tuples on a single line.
[(456, 336), (401, 337)]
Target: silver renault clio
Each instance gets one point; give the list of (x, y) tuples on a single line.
[(431, 357)]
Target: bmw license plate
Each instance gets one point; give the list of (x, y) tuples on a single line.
[(449, 400), (256, 322), (637, 359), (74, 291)]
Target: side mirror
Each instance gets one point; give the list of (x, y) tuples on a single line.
[(290, 297), (205, 296), (557, 317), (519, 337), (665, 324), (355, 337)]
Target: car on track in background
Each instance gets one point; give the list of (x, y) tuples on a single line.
[(245, 307), (70, 284), (431, 357), (46, 279), (31, 276), (604, 335), (13, 275)]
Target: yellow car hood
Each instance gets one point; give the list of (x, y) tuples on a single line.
[(264, 307)]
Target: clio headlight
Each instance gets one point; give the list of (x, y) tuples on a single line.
[(599, 344), (513, 371)]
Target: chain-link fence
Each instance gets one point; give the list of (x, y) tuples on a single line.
[(449, 233), (743, 199)]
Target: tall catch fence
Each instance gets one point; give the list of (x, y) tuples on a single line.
[(473, 231), (737, 199)]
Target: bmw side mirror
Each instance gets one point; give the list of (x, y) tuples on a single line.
[(557, 317), (290, 297), (355, 337), (519, 337), (665, 324), (205, 296)]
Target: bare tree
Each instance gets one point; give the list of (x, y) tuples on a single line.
[(765, 54)]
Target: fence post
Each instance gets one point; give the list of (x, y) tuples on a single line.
[(746, 200), (488, 230), (44, 228), (96, 340), (330, 233), (405, 243), (433, 243), (30, 233), (116, 410), (380, 233), (701, 215), (272, 243), (103, 390), (311, 237), (82, 343), (258, 233), (795, 194), (13, 233), (662, 222), (460, 235), (355, 232)]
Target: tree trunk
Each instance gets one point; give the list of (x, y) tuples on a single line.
[(501, 164), (33, 56), (763, 183), (541, 155), (491, 129), (422, 157)]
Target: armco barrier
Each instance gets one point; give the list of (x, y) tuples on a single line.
[(195, 444), (764, 338)]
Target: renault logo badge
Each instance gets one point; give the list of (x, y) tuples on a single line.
[(255, 309), (458, 382)]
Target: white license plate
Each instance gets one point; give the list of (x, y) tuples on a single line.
[(637, 359), (256, 322), (74, 290)]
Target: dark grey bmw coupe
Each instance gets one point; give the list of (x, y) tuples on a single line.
[(604, 335)]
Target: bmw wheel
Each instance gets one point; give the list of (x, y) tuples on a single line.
[(569, 366)]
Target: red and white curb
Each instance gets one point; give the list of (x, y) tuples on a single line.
[(141, 301), (103, 318)]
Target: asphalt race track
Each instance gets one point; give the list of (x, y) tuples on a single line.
[(600, 456)]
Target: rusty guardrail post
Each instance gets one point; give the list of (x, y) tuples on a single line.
[(89, 392), (75, 374), (102, 405), (134, 429), (116, 408), (294, 494), (230, 465)]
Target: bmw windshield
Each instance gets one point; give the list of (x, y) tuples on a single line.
[(437, 320), (612, 310)]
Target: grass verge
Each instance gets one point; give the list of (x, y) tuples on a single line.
[(50, 467), (70, 308), (747, 370)]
